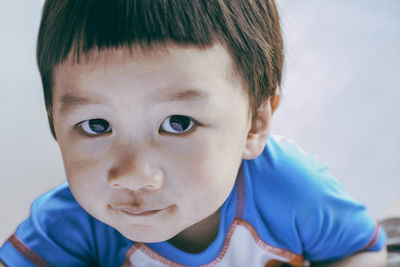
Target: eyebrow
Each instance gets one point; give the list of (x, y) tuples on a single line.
[(184, 95), (69, 100)]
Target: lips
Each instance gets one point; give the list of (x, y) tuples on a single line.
[(139, 212)]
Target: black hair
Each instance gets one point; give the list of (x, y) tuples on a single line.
[(249, 29)]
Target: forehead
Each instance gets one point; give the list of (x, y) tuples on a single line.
[(136, 68), (156, 57)]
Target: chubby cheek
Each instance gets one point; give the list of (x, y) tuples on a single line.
[(86, 177), (209, 170)]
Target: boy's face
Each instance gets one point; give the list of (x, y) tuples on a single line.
[(151, 142)]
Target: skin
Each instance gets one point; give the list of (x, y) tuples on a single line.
[(138, 174), (138, 168)]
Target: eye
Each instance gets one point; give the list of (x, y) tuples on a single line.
[(95, 127), (177, 124)]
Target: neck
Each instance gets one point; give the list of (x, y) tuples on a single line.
[(199, 236)]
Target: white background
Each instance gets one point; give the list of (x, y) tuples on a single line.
[(341, 100)]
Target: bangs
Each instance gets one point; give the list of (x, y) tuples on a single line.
[(77, 27)]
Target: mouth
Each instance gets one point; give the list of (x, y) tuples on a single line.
[(137, 212)]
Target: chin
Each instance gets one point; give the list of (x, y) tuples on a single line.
[(147, 237)]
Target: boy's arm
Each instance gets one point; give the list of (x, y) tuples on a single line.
[(368, 258)]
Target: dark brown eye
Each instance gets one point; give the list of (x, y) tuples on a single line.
[(177, 124), (95, 126)]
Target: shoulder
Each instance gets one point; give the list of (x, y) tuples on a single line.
[(56, 223), (284, 168), (302, 202), (55, 211), (55, 204), (280, 185), (294, 183), (60, 232)]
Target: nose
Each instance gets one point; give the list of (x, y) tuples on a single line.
[(134, 175)]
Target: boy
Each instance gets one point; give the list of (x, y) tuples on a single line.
[(162, 111)]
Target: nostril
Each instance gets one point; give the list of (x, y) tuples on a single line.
[(112, 178), (114, 184), (142, 177)]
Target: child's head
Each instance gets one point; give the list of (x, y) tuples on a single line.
[(153, 104), (249, 29)]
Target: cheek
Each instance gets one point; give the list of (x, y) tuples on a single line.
[(88, 185), (85, 172), (209, 165), (82, 155), (207, 178)]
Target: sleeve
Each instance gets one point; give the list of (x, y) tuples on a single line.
[(336, 225), (322, 220), (56, 233), (331, 224)]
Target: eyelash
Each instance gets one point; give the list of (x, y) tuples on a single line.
[(80, 127), (193, 124)]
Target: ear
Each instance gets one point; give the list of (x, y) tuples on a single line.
[(259, 131), (276, 99)]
